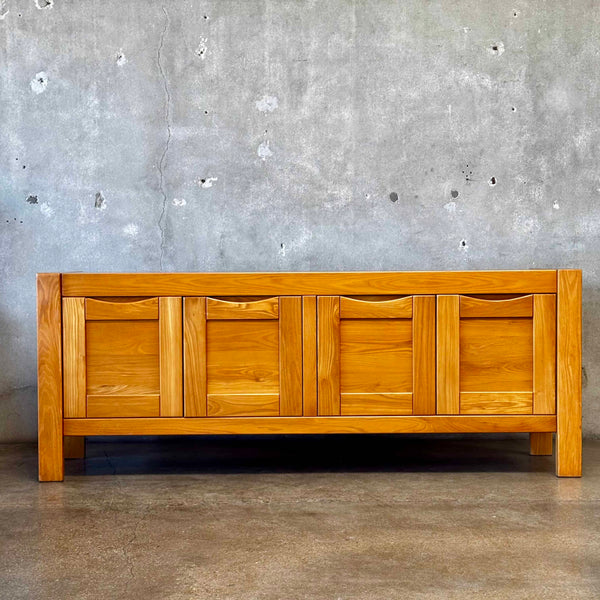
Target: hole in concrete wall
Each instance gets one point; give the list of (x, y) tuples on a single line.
[(394, 197), (32, 199), (492, 182), (454, 193)]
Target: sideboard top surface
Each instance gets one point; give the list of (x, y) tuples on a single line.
[(309, 283)]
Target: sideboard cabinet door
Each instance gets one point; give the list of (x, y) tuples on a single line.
[(243, 356), (496, 356), (376, 356), (122, 357)]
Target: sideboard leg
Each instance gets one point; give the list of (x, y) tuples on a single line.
[(568, 400), (74, 446), (540, 444), (50, 398)]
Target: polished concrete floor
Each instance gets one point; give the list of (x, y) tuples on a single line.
[(342, 517)]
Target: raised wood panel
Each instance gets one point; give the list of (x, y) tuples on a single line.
[(424, 355), (494, 403), (104, 310), (376, 355), (290, 356), (328, 367), (314, 425), (49, 372), (278, 284), (448, 355), (496, 355), (377, 404), (568, 437), (309, 355), (122, 357), (242, 357), (267, 308), (234, 405), (544, 354), (354, 308), (515, 307), (194, 357), (113, 406), (74, 374), (171, 357)]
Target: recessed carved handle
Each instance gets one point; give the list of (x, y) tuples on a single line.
[(514, 307), (107, 310), (353, 308), (258, 309)]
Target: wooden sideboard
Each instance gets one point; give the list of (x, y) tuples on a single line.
[(265, 353)]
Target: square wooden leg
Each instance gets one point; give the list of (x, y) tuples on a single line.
[(74, 446), (540, 444)]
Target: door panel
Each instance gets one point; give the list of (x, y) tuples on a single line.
[(243, 357), (372, 357), (496, 356), (122, 358)]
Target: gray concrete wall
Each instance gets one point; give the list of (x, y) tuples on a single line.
[(293, 135)]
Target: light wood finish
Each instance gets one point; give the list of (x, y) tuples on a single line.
[(544, 354), (104, 310), (496, 403), (377, 404), (448, 355), (568, 436), (376, 355), (328, 352), (259, 309), (290, 355), (423, 355), (279, 284), (243, 405), (123, 406), (122, 357), (515, 307), (296, 425), (242, 357), (309, 355), (496, 355), (540, 444), (171, 359), (194, 356), (74, 446), (353, 308), (49, 372), (74, 384)]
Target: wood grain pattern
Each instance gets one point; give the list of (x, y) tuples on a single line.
[(74, 446), (74, 369), (113, 406), (540, 444), (376, 355), (297, 425), (424, 378), (544, 354), (448, 355), (194, 356), (171, 357), (242, 357), (267, 308), (353, 308), (377, 404), (328, 352), (496, 403), (290, 355), (515, 307), (104, 310), (49, 372), (496, 355), (568, 436), (309, 355), (280, 284), (243, 405), (122, 357)]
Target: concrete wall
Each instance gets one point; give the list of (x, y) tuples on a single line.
[(293, 135)]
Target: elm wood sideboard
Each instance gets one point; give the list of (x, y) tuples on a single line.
[(264, 353)]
